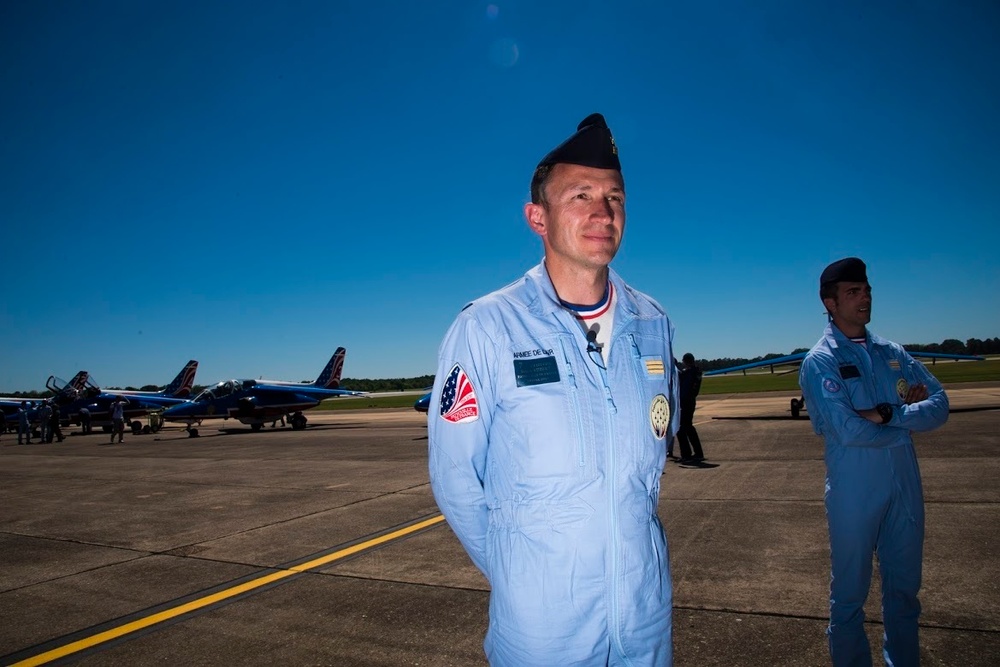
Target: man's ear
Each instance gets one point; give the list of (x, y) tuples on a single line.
[(830, 304), (535, 215)]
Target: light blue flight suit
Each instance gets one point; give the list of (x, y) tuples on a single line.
[(553, 487), (874, 500)]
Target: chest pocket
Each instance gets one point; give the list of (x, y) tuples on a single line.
[(653, 405), (894, 388), (546, 425)]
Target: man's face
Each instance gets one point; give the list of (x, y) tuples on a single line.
[(582, 219), (852, 308)]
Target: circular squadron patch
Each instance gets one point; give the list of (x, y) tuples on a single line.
[(902, 386), (659, 416), (831, 385)]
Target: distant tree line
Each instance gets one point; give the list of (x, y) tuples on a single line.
[(953, 346), (392, 384)]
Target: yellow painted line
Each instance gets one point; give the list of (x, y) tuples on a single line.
[(214, 598)]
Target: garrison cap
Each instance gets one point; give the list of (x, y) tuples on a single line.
[(591, 146), (849, 269)]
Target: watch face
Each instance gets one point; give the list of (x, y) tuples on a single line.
[(885, 410)]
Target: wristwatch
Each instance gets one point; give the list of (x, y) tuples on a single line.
[(885, 412)]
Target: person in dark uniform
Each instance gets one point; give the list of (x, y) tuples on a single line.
[(85, 420), (55, 432), (690, 384), (23, 424)]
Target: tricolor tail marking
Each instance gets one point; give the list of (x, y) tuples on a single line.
[(181, 385), (330, 377)]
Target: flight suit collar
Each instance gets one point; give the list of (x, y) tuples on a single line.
[(545, 301), (835, 337)]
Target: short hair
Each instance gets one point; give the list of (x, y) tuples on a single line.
[(688, 357), (828, 291), (538, 181)]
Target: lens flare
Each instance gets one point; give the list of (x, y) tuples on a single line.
[(504, 52)]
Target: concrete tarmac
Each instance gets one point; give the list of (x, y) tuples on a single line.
[(325, 547)]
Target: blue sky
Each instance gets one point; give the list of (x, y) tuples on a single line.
[(252, 184)]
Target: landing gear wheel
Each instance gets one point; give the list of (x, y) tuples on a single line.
[(136, 427), (797, 405), (256, 427), (298, 421)]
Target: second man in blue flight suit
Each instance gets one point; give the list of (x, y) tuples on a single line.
[(865, 395)]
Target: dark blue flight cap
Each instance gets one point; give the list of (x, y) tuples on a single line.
[(591, 146), (849, 269)]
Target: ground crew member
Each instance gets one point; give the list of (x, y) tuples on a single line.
[(23, 424), (551, 407), (85, 420), (865, 395), (55, 429), (689, 383), (45, 421), (117, 410)]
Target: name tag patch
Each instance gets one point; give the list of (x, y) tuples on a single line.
[(530, 372), (848, 372)]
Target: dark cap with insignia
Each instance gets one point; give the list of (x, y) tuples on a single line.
[(849, 269), (591, 146)]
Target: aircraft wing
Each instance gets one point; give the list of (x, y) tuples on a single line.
[(797, 358), (316, 393), (150, 402)]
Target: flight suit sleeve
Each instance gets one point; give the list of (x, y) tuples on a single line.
[(927, 414), (830, 409), (458, 441)]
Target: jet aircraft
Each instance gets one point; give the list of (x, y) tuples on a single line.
[(255, 402), (139, 403), (795, 360), (63, 393), (81, 392)]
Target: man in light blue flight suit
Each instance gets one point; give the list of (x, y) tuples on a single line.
[(552, 405), (865, 395)]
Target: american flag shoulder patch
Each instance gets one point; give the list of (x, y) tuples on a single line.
[(458, 398), (654, 366)]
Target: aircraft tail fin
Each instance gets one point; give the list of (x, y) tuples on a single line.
[(181, 385), (330, 377)]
